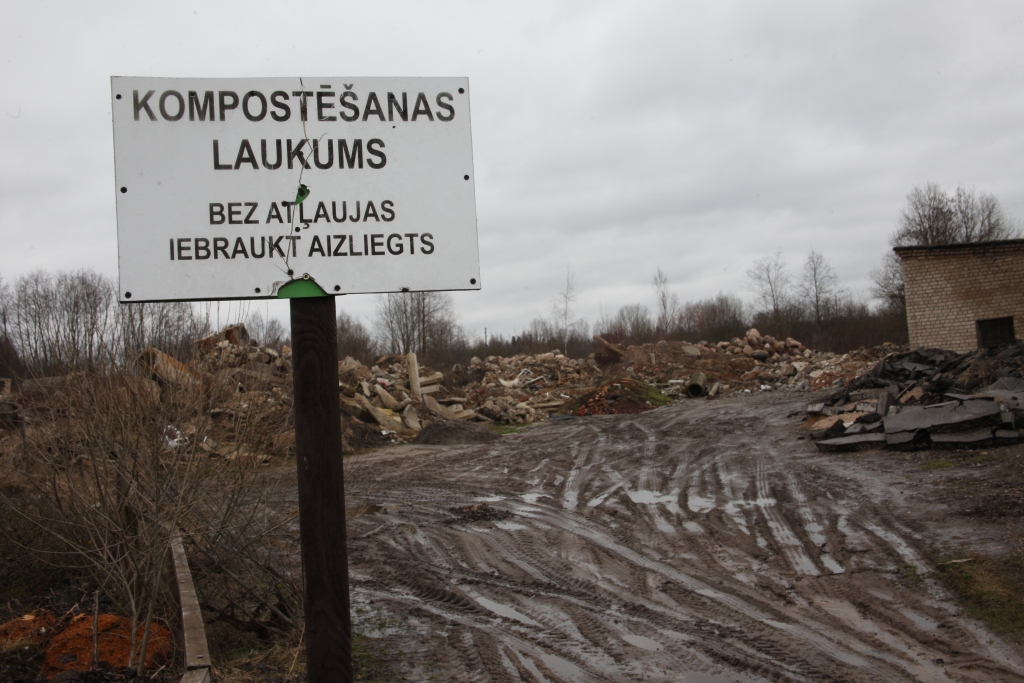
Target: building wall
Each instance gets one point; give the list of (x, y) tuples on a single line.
[(949, 288)]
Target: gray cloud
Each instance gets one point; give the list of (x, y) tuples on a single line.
[(609, 137)]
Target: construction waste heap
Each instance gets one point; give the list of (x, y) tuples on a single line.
[(396, 399), (881, 397), (926, 398)]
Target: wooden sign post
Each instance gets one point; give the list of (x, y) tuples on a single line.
[(321, 490), (207, 209)]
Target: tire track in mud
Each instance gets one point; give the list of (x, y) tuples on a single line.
[(687, 539)]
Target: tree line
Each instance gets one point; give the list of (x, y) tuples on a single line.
[(57, 323)]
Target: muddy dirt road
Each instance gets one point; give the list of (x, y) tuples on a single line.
[(701, 542)]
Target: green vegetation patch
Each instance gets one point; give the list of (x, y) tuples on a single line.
[(908, 574), (505, 429), (990, 590)]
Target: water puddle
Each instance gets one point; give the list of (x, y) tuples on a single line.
[(509, 526), (921, 621), (653, 497), (832, 565), (643, 642), (505, 611), (594, 502), (699, 504), (533, 497)]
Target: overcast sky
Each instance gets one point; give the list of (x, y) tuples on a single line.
[(609, 137)]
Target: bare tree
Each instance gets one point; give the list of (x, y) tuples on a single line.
[(632, 322), (718, 318), (562, 307), (818, 287), (667, 303), (888, 284), (354, 339), (771, 285), (934, 217), (423, 322)]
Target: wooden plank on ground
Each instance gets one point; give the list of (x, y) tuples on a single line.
[(197, 654), (197, 676)]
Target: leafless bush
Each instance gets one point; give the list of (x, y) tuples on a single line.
[(423, 322), (354, 340), (111, 483), (268, 331), (53, 324), (632, 323), (112, 465), (715, 319)]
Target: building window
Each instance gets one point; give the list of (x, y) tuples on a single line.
[(995, 332)]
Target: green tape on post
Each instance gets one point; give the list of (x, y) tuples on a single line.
[(304, 288)]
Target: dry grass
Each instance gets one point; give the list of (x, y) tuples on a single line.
[(990, 589), (284, 661)]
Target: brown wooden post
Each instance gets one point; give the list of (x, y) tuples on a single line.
[(321, 490)]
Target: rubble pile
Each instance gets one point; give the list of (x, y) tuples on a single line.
[(232, 348), (525, 388), (247, 387), (926, 398)]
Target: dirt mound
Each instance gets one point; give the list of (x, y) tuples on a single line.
[(450, 433), (620, 397), (33, 628), (71, 649)]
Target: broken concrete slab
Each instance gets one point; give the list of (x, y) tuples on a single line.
[(379, 416), (387, 399), (1006, 436), (438, 409), (907, 441), (851, 443), (972, 438), (1012, 399), (413, 368), (884, 400), (863, 428), (431, 379), (354, 408), (166, 369), (411, 418), (950, 416), (1015, 384)]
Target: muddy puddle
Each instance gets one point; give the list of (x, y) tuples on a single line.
[(701, 542)]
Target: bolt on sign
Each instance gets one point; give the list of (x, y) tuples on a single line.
[(233, 188)]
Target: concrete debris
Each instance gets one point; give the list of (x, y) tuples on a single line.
[(929, 398), (167, 370)]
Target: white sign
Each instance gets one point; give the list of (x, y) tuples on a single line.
[(213, 174)]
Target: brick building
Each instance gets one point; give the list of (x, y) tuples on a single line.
[(964, 296)]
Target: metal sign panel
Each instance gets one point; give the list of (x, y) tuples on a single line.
[(231, 188)]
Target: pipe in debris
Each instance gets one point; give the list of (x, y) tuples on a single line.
[(695, 387)]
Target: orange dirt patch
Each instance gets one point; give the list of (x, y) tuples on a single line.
[(32, 628), (71, 649)]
